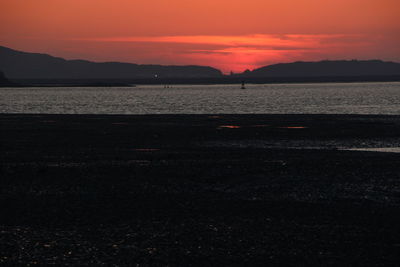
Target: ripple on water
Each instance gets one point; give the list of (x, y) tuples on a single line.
[(326, 98), (375, 149)]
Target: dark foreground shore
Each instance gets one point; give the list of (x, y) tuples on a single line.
[(198, 190)]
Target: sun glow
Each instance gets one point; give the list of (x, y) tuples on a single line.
[(232, 35)]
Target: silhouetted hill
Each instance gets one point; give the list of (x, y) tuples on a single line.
[(29, 69), (22, 65), (341, 68)]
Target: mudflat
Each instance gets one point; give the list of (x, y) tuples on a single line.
[(199, 190)]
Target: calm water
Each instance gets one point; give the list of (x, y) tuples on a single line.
[(353, 98)]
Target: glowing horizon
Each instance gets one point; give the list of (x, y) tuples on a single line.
[(230, 35)]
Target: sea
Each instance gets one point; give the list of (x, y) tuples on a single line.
[(317, 98)]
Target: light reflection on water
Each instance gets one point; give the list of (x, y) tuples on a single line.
[(328, 98), (376, 149), (293, 127), (230, 126)]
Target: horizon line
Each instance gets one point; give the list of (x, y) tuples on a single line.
[(188, 65)]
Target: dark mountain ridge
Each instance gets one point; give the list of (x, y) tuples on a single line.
[(22, 65), (34, 68), (327, 68)]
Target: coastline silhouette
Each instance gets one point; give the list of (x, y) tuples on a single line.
[(22, 65)]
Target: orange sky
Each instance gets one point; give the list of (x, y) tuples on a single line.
[(230, 35)]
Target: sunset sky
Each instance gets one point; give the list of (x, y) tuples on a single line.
[(232, 35)]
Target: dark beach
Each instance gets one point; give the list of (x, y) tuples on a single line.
[(199, 190)]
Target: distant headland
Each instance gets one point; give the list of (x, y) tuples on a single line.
[(338, 68), (42, 69)]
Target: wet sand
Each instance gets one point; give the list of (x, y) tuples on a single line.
[(199, 190)]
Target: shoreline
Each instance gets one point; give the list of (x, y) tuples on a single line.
[(197, 81)]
